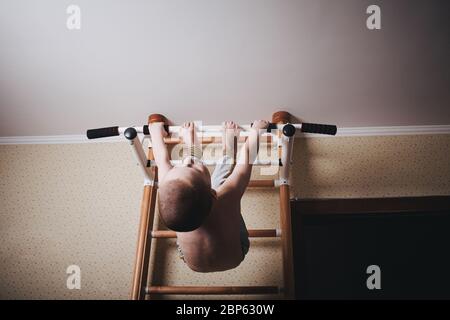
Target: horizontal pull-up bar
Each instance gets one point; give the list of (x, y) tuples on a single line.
[(255, 233), (214, 131), (212, 290)]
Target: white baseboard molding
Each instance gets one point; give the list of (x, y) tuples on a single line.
[(342, 132), (392, 131), (57, 139)]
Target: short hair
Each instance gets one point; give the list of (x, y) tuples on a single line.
[(184, 205)]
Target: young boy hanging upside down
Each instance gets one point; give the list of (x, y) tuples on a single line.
[(205, 210)]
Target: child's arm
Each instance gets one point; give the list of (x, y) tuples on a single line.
[(240, 177), (162, 158)]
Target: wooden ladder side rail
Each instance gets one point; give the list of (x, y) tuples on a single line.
[(285, 221), (141, 265), (286, 243)]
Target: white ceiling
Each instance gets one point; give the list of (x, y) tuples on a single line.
[(214, 60)]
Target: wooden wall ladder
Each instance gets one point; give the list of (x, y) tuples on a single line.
[(141, 286)]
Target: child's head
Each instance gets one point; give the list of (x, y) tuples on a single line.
[(185, 197)]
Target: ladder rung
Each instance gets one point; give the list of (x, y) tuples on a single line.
[(261, 184), (208, 162), (211, 290), (255, 233)]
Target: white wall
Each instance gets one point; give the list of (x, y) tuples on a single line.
[(213, 60)]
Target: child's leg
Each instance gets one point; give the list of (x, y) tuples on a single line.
[(230, 134), (192, 146), (243, 234), (224, 168), (225, 165)]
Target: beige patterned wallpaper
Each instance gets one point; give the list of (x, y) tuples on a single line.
[(78, 204)]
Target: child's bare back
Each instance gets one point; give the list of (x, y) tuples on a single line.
[(205, 211)]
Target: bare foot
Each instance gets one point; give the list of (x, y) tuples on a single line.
[(230, 134), (260, 124), (188, 133)]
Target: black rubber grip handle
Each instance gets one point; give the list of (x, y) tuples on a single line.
[(271, 126), (102, 132), (319, 128)]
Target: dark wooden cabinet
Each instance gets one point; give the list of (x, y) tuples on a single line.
[(336, 240)]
